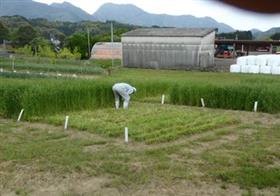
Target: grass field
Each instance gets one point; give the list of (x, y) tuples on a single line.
[(42, 96), (240, 158), (173, 149), (47, 65)]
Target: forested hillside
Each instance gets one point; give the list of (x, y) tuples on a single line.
[(21, 32)]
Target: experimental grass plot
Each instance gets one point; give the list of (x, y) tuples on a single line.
[(41, 97), (149, 123), (55, 95)]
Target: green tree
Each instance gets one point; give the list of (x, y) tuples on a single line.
[(25, 35), (79, 41), (275, 36), (47, 51), (4, 33), (37, 43)]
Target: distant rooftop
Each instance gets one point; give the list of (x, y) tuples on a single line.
[(108, 45), (169, 32)]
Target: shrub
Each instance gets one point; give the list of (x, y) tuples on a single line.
[(26, 50), (67, 54)]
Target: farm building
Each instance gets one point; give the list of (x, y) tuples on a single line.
[(169, 48), (106, 50)]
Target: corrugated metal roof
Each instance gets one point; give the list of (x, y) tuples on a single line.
[(169, 32)]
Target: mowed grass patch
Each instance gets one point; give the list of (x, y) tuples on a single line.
[(252, 161), (48, 150), (149, 123), (33, 152)]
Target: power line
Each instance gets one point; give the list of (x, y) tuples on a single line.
[(112, 43)]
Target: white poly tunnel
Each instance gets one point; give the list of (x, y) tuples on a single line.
[(265, 64)]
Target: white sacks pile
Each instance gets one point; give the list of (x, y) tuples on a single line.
[(266, 64)]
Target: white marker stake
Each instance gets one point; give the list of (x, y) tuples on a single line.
[(255, 106), (1, 70), (202, 102), (66, 122), (126, 135), (20, 115), (162, 99)]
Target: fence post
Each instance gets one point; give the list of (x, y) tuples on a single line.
[(66, 122), (255, 106), (20, 115), (162, 99), (202, 102), (126, 135)]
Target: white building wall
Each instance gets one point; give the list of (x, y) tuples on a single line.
[(168, 52), (207, 51)]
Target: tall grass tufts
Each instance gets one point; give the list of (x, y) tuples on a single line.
[(45, 97), (236, 97)]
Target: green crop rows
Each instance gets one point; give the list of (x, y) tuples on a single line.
[(39, 96), (149, 123), (46, 65), (44, 97)]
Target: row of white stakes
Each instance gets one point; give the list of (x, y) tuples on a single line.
[(126, 128), (254, 109), (67, 121), (203, 103)]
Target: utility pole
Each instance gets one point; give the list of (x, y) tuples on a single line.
[(112, 42), (89, 51)]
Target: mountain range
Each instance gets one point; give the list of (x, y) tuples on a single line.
[(131, 14), (264, 34), (124, 13), (31, 9)]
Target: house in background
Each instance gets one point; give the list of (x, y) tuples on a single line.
[(106, 50), (169, 48)]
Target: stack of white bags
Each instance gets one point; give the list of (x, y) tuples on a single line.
[(266, 64)]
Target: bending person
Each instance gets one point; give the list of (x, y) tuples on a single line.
[(122, 90)]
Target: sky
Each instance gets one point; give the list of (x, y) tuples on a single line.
[(236, 18)]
